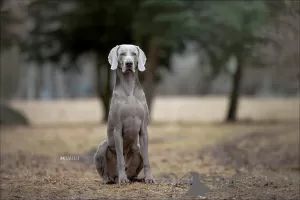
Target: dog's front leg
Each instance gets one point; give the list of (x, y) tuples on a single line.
[(143, 139), (120, 158)]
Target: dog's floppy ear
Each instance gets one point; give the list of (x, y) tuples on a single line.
[(141, 60), (113, 58)]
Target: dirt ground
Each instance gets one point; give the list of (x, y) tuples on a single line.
[(248, 161)]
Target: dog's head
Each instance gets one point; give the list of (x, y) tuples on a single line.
[(127, 57)]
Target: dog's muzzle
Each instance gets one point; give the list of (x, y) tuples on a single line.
[(129, 66)]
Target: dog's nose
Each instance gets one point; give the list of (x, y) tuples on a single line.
[(129, 64)]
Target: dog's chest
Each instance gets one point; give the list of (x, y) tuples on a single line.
[(132, 107)]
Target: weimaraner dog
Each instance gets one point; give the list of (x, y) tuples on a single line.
[(124, 154)]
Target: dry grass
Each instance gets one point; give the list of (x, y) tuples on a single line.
[(31, 167)]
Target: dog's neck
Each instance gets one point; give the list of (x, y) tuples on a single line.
[(127, 82)]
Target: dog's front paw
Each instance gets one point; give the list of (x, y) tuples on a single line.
[(150, 180), (123, 179)]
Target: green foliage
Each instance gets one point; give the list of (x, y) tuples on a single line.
[(44, 41), (13, 22), (226, 28), (161, 21), (222, 28), (100, 25)]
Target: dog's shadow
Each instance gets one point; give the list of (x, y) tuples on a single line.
[(137, 180), (133, 180)]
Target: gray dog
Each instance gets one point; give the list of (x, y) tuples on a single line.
[(125, 153)]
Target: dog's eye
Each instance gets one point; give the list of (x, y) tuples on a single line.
[(134, 54), (122, 54)]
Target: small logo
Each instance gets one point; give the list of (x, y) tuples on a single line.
[(68, 158)]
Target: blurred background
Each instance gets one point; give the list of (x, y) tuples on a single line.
[(208, 63), (55, 53)]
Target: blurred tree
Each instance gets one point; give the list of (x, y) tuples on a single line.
[(158, 29), (14, 25), (97, 26), (75, 27), (14, 29), (14, 22), (229, 29), (284, 29), (224, 30)]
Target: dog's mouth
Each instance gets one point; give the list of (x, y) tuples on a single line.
[(128, 70)]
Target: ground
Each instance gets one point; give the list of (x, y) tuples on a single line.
[(164, 110), (264, 158)]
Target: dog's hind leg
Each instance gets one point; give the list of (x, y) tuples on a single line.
[(100, 161), (105, 162)]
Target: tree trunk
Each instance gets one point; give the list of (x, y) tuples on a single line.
[(149, 81), (10, 70), (60, 86), (234, 95), (104, 94), (31, 81), (39, 81)]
